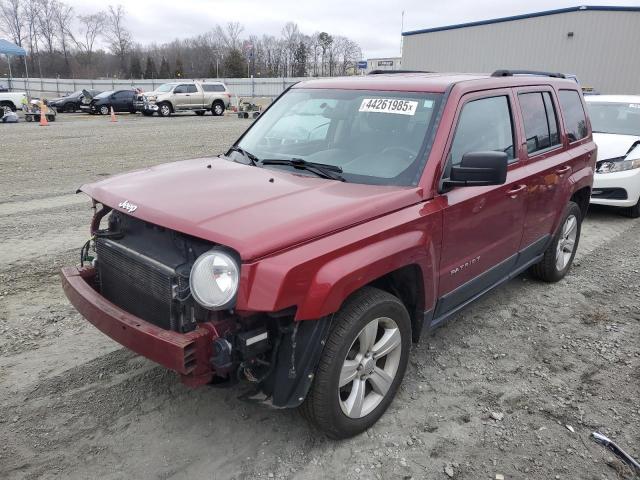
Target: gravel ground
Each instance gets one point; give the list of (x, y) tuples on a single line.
[(512, 386)]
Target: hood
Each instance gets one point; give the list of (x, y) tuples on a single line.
[(611, 145), (255, 211)]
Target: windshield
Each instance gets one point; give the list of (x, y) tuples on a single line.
[(618, 118), (104, 94), (376, 137), (165, 87)]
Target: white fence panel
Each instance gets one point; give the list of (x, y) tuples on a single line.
[(55, 87)]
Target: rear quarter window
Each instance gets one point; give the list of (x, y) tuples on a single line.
[(575, 120), (213, 87)]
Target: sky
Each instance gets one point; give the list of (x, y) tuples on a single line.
[(375, 25)]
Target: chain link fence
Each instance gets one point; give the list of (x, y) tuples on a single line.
[(56, 87)]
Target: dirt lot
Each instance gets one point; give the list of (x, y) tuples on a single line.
[(513, 386)]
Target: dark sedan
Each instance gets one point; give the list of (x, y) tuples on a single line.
[(120, 100), (72, 102)]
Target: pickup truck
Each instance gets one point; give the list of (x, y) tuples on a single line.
[(12, 100), (352, 215), (174, 97)]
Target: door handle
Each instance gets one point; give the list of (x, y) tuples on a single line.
[(513, 193), (563, 170)]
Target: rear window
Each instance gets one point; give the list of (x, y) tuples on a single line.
[(213, 87), (575, 120), (618, 118), (540, 124)]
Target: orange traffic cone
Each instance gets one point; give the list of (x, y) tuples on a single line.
[(43, 115), (113, 115)]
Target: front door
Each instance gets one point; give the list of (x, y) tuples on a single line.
[(482, 226), (182, 96)]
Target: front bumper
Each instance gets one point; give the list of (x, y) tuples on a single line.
[(189, 354), (141, 106), (628, 180)]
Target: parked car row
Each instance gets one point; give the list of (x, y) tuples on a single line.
[(168, 98)]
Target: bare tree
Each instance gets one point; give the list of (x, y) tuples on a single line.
[(47, 23), (63, 15), (230, 36), (290, 35), (117, 35), (12, 18), (90, 28), (30, 13)]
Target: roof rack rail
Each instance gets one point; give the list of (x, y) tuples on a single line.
[(511, 73), (383, 72)]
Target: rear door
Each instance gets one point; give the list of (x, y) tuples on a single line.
[(548, 165), (482, 226)]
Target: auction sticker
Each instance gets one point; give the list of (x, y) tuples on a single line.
[(389, 105)]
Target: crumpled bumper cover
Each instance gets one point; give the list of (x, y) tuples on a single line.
[(186, 353)]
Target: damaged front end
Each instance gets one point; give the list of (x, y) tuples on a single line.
[(135, 284)]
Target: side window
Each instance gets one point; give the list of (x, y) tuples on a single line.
[(213, 87), (574, 117), (180, 89), (484, 124), (540, 124), (191, 89)]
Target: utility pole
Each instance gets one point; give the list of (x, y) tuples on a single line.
[(401, 36)]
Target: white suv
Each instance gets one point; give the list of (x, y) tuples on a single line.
[(616, 130)]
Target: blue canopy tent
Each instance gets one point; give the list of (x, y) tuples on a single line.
[(8, 48)]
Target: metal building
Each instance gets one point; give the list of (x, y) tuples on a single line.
[(601, 45), (386, 63)]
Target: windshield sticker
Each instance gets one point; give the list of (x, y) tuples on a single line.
[(428, 104), (389, 105), (634, 105)]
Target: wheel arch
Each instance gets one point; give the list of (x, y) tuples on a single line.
[(407, 283), (8, 103), (581, 197)]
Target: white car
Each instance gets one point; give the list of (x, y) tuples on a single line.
[(615, 120)]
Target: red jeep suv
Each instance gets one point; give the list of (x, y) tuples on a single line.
[(351, 216)]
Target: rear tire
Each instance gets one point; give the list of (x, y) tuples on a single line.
[(632, 212), (559, 255), (217, 108), (362, 364)]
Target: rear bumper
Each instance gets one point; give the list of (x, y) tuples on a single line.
[(189, 354)]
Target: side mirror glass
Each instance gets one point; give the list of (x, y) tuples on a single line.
[(480, 168)]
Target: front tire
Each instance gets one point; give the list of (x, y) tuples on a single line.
[(559, 255), (164, 110), (362, 364), (104, 110), (70, 108)]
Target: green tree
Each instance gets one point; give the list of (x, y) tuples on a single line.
[(179, 73), (300, 60), (235, 65), (135, 68), (165, 72), (150, 68)]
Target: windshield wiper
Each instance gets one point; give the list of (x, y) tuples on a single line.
[(252, 158), (323, 170)]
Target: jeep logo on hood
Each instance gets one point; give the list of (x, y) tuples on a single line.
[(129, 207)]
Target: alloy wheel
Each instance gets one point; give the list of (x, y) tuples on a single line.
[(370, 367), (567, 242)]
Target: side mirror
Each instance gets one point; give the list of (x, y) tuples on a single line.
[(478, 169)]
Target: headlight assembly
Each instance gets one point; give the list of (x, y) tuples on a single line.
[(214, 279), (617, 165)]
